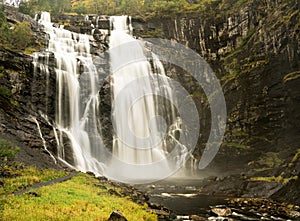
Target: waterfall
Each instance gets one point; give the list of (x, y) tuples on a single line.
[(77, 101), (142, 119), (143, 111), (42, 138), (14, 3)]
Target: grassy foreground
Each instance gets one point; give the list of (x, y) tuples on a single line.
[(23, 177), (80, 198)]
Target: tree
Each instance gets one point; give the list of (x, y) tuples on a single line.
[(55, 7), (4, 29), (80, 9), (21, 35), (8, 150)]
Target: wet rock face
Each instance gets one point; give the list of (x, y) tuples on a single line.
[(27, 92), (43, 85), (23, 97), (254, 50)]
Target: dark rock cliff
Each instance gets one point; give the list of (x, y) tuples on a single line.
[(22, 97), (253, 48), (28, 95)]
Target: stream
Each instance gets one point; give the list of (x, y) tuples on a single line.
[(182, 198)]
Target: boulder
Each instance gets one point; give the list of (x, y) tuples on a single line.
[(197, 218), (117, 216), (220, 211)]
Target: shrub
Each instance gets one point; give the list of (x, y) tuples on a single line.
[(21, 35), (80, 9), (4, 29), (5, 92), (8, 150)]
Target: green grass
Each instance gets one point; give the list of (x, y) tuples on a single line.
[(30, 50), (277, 179), (79, 198), (236, 145), (20, 179)]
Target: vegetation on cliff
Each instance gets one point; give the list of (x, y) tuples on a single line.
[(17, 36), (8, 152)]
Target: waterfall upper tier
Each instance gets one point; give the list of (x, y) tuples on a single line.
[(14, 3)]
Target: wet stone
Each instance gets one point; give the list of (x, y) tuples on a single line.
[(197, 218), (113, 192), (221, 211)]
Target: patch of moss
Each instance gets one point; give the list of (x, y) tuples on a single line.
[(67, 23), (14, 102), (155, 33), (30, 50), (277, 179), (8, 150), (5, 92), (287, 18), (229, 77), (262, 138), (271, 160), (2, 70), (247, 38), (291, 76), (7, 95), (295, 158), (236, 145), (70, 13)]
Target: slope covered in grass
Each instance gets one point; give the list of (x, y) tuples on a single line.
[(81, 198)]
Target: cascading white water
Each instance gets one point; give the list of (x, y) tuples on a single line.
[(76, 102), (15, 3), (143, 114), (140, 132), (43, 140)]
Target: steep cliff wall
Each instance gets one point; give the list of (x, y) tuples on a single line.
[(253, 47), (28, 93), (23, 96)]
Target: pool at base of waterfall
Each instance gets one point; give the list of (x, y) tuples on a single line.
[(185, 201)]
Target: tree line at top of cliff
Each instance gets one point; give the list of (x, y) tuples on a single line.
[(138, 8)]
